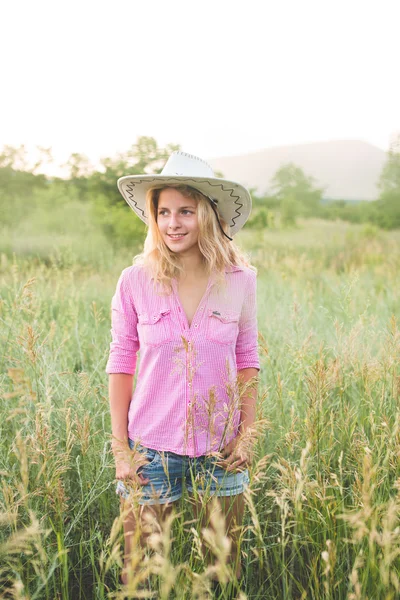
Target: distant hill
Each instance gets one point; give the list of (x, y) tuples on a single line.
[(347, 169)]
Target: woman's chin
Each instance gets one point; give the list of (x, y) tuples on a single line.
[(177, 246), (176, 250)]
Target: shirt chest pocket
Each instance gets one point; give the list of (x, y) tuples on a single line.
[(155, 329), (222, 328)]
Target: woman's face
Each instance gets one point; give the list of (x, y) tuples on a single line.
[(177, 221)]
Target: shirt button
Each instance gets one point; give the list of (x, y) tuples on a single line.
[(196, 325)]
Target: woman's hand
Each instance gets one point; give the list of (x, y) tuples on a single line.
[(127, 463), (238, 454)]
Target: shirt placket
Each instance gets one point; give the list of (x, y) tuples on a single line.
[(189, 397), (188, 333)]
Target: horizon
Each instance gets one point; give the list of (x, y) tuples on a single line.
[(60, 169)]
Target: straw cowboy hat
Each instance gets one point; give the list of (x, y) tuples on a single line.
[(231, 199)]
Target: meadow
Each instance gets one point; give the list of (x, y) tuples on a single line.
[(322, 509)]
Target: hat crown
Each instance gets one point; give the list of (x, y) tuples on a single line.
[(181, 163)]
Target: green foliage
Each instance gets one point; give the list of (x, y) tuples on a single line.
[(290, 209), (18, 196), (59, 229), (268, 202), (295, 195), (261, 218), (390, 177), (354, 212), (296, 192), (389, 211), (120, 225), (388, 204), (80, 169), (79, 166)]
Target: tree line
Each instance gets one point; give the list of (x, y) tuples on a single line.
[(293, 193)]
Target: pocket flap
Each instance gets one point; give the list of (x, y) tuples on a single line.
[(152, 318), (225, 317)]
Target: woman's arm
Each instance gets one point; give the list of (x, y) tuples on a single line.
[(127, 462), (120, 394), (247, 359), (121, 364), (238, 453), (121, 368), (248, 385)]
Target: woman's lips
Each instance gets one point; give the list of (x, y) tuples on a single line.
[(177, 236)]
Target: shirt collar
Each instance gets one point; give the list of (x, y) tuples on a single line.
[(232, 269)]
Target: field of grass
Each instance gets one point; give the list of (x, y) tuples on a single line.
[(322, 518)]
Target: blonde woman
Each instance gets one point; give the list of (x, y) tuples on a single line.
[(188, 304)]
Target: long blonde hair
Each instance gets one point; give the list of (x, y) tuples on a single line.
[(217, 251)]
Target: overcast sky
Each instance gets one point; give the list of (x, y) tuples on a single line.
[(218, 77)]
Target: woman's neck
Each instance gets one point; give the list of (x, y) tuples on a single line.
[(193, 265)]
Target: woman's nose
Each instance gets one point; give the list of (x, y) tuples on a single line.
[(173, 221)]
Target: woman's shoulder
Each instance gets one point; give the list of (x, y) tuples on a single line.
[(133, 278), (134, 273), (248, 273)]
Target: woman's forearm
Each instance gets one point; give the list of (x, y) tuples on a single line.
[(120, 394), (248, 381)]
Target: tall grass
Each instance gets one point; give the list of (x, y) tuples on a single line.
[(322, 518)]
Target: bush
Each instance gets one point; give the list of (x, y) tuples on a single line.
[(119, 224)]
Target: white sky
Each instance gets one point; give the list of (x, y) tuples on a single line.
[(219, 77)]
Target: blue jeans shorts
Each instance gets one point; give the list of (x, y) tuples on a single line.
[(168, 472)]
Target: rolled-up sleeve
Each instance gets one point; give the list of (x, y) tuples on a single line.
[(247, 341), (125, 343)]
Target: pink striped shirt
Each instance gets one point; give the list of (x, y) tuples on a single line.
[(186, 396)]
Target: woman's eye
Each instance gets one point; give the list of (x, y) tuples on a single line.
[(164, 212)]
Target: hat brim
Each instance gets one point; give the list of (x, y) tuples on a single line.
[(233, 200)]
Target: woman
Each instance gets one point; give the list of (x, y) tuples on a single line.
[(189, 304)]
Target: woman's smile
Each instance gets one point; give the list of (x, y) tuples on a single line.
[(176, 236)]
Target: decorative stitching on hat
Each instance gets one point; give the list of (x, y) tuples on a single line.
[(132, 198), (195, 158), (237, 201), (130, 186)]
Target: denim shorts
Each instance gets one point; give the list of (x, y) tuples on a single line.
[(168, 472)]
